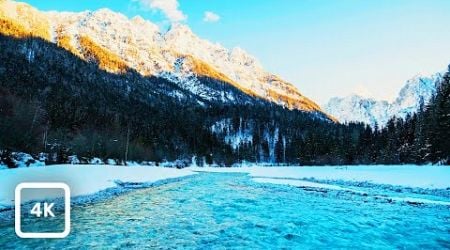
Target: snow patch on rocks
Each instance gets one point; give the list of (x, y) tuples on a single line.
[(416, 93)]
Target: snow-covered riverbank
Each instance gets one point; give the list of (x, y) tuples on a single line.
[(88, 180), (406, 183), (83, 179), (432, 177)]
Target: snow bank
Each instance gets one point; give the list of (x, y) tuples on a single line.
[(407, 180), (82, 180), (20, 160), (314, 185), (433, 177), (91, 179)]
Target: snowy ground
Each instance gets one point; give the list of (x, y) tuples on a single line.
[(82, 179), (406, 184), (89, 180), (433, 177)]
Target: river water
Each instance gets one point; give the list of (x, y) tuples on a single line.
[(223, 211)]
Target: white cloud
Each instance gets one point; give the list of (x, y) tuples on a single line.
[(210, 17), (170, 8)]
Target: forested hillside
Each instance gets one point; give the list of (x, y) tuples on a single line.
[(53, 102)]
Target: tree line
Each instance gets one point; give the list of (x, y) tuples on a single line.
[(52, 102)]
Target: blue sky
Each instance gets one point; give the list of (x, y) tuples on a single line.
[(325, 47)]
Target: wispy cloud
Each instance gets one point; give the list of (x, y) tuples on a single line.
[(210, 17), (170, 8)]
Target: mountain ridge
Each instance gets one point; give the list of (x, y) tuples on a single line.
[(116, 42), (61, 104), (415, 93)]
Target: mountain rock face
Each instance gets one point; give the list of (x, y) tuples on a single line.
[(416, 93), (355, 108), (97, 85), (118, 44)]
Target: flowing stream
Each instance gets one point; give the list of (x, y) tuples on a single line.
[(222, 211)]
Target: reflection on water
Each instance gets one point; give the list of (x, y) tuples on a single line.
[(231, 211)]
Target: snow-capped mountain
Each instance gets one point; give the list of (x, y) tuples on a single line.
[(416, 93), (355, 108), (118, 44)]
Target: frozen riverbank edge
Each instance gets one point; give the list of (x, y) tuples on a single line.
[(94, 183), (88, 183), (409, 184)]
